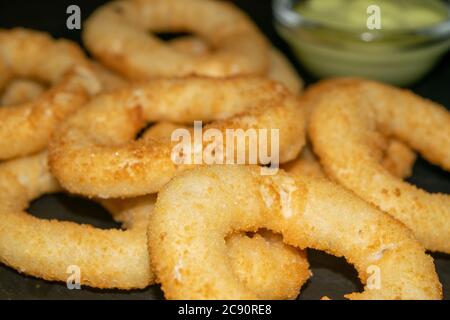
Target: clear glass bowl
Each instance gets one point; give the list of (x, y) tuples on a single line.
[(399, 57)]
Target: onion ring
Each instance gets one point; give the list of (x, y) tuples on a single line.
[(199, 208), (398, 159), (396, 156), (116, 34), (19, 91), (117, 258), (262, 262), (44, 249), (280, 70), (61, 63), (351, 114), (95, 155)]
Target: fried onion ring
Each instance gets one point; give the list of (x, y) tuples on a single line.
[(262, 262), (398, 159), (116, 34), (118, 258), (20, 91), (94, 154), (35, 55), (396, 156), (351, 112), (199, 208), (280, 70), (45, 248)]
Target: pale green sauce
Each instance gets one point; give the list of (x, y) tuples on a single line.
[(394, 14), (339, 46)]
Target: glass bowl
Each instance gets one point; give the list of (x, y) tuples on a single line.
[(399, 57)]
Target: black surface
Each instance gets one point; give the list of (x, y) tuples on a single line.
[(332, 276)]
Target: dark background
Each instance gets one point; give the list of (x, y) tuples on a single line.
[(332, 276)]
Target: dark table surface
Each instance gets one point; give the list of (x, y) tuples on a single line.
[(332, 276)]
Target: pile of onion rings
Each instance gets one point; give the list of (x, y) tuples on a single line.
[(286, 205), (57, 62), (103, 129), (366, 107), (116, 258), (94, 158), (117, 34)]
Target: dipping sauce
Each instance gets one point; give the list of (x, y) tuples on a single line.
[(395, 14), (332, 38)]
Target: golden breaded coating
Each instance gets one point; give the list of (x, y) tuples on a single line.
[(346, 117), (94, 152), (117, 34), (283, 71), (306, 164), (263, 263), (267, 266), (397, 158), (61, 64), (199, 208), (118, 258), (46, 248), (280, 70)]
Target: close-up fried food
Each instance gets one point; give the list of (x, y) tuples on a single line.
[(350, 114), (280, 69), (94, 153), (117, 35), (185, 231), (225, 150), (116, 258), (60, 63)]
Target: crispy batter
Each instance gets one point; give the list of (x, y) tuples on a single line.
[(118, 258), (267, 266), (94, 154), (46, 248), (348, 115), (398, 159), (117, 35), (280, 68), (306, 164), (396, 156), (199, 208), (283, 71), (59, 63)]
